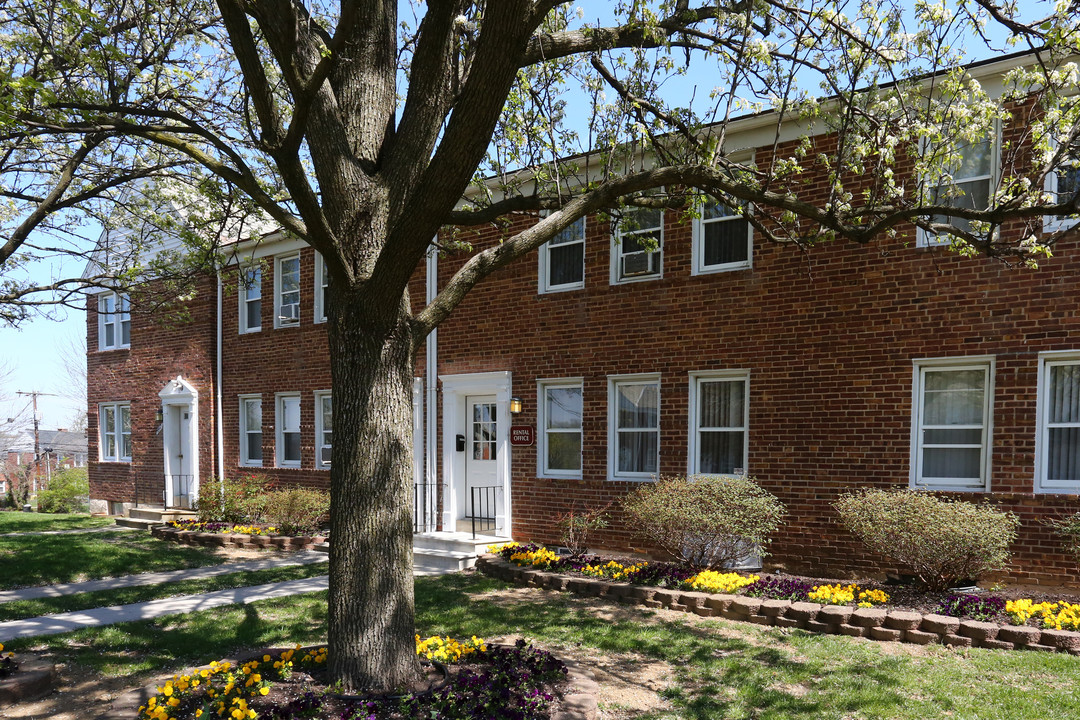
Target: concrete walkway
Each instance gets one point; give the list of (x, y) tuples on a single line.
[(179, 605), (158, 578), (77, 531)]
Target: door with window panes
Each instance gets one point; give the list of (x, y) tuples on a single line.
[(480, 458)]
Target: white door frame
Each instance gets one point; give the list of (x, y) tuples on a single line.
[(179, 392), (455, 389)]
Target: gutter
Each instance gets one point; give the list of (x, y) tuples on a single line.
[(219, 430), (431, 351)]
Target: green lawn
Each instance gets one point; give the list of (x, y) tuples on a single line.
[(37, 522), (712, 668), (19, 609), (48, 559)]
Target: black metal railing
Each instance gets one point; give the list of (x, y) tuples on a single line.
[(482, 508), (181, 491)]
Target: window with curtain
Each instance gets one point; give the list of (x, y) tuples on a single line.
[(721, 239), (634, 440), (952, 425), (719, 412), (562, 259), (324, 428), (251, 430), (288, 430), (971, 186), (1058, 463), (251, 299)]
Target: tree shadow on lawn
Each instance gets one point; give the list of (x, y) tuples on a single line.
[(720, 672)]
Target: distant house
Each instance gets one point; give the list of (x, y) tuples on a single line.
[(701, 351), (57, 450)]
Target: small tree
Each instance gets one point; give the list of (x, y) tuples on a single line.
[(706, 521), (942, 540), (578, 523), (67, 492)]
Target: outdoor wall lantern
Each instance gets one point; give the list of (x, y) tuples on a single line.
[(158, 416), (515, 405)]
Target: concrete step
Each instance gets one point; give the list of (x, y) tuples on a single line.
[(137, 523), (159, 515), (455, 542), (443, 559)]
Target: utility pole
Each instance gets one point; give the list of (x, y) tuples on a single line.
[(37, 440)]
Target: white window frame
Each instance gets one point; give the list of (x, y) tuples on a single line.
[(322, 281), (925, 239), (617, 236), (542, 430), (279, 429), (1055, 223), (242, 292), (320, 395), (693, 461), (545, 260), (985, 363), (245, 431), (278, 261), (614, 382), (117, 319), (117, 431), (1042, 431), (698, 266)]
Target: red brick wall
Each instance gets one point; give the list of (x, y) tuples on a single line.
[(160, 350), (829, 337)]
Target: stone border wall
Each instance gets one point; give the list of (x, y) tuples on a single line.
[(874, 623), (283, 542)]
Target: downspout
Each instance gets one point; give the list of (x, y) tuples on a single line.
[(430, 382), (219, 430)]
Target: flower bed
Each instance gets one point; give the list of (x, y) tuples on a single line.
[(786, 602), (520, 681), (210, 534)]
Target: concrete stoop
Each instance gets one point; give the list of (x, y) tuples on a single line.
[(144, 518), (438, 553)]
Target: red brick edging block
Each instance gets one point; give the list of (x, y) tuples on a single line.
[(874, 623), (284, 542), (579, 704), (31, 681)]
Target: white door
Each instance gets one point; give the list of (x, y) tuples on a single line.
[(479, 494), (179, 470)]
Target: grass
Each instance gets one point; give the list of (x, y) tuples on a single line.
[(713, 668), (48, 559), (20, 609), (40, 522)]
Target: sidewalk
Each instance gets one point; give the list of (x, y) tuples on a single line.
[(76, 531), (157, 578)]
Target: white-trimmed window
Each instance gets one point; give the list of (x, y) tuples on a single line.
[(972, 184), (250, 292), (560, 408), (114, 426), (287, 422), (324, 426), (1057, 444), (1062, 184), (719, 416), (562, 260), (287, 290), (722, 240), (322, 282), (637, 245), (633, 427), (952, 423), (251, 430), (114, 321)]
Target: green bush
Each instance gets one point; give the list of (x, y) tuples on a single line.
[(1068, 529), (942, 540), (67, 492), (297, 511), (243, 499), (706, 521)]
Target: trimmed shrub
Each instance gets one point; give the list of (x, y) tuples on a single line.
[(1068, 529), (67, 492), (298, 511), (942, 540), (707, 521), (242, 499)]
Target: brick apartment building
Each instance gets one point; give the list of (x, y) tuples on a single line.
[(897, 364)]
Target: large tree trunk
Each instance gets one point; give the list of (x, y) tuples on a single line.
[(371, 624)]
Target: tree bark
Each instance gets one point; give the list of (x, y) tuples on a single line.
[(371, 624)]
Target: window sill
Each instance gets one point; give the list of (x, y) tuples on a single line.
[(636, 279), (561, 289), (719, 269)]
